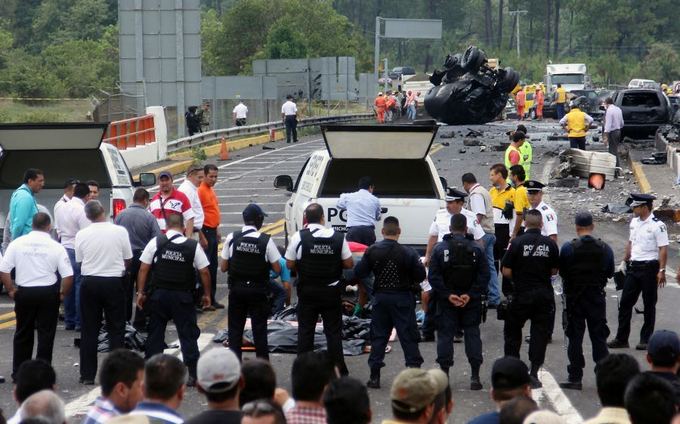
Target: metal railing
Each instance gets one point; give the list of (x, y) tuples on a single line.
[(201, 139)]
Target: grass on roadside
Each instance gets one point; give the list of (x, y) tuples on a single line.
[(72, 110)]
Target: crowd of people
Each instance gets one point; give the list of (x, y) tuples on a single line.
[(487, 249), (392, 105)]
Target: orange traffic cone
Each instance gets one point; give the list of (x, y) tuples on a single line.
[(272, 135), (224, 150)]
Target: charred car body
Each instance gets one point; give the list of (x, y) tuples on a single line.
[(644, 110), (467, 91)]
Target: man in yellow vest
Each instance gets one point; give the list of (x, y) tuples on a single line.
[(577, 123), (526, 150), (513, 154), (560, 100)]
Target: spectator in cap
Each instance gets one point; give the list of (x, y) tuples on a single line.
[(586, 263), (263, 411), (612, 375), (647, 251), (69, 185), (516, 410), (248, 256), (363, 211), (103, 266), (310, 375), (414, 396), (31, 377), (219, 380), (165, 378), (346, 401), (170, 201), (121, 376), (650, 400), (174, 260), (509, 379), (663, 355)]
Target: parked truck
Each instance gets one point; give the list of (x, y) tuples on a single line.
[(572, 76)]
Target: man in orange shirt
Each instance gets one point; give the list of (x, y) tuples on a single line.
[(211, 224), (520, 101), (380, 106), (539, 98)]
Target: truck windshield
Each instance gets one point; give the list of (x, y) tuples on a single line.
[(567, 79), (392, 178)]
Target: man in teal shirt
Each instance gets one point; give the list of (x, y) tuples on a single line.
[(22, 205)]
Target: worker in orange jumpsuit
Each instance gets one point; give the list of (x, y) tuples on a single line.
[(539, 99), (380, 107), (520, 101)]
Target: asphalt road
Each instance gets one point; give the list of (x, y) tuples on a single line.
[(248, 177)]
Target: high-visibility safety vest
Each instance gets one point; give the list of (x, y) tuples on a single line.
[(561, 95), (527, 153), (576, 123), (511, 148)]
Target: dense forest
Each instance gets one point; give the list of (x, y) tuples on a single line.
[(68, 48)]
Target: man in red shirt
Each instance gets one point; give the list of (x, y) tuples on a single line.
[(170, 201)]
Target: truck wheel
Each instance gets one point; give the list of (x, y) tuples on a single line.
[(472, 59), (508, 79)]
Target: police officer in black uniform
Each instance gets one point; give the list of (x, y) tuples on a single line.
[(319, 254), (248, 256), (530, 261), (174, 260), (398, 273), (586, 263), (459, 275)]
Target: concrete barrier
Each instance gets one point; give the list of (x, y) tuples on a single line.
[(673, 161)]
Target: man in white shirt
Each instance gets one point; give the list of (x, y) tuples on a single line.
[(319, 254), (613, 125), (363, 211), (69, 185), (289, 116), (104, 251), (36, 258), (535, 194), (240, 114), (71, 218), (174, 260), (189, 187)]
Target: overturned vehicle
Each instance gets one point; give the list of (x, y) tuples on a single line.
[(468, 91)]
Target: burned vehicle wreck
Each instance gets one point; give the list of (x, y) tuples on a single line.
[(467, 90)]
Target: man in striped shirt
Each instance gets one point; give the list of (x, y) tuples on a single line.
[(171, 201)]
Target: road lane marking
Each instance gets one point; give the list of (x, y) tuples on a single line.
[(552, 391), (7, 315), (273, 228)]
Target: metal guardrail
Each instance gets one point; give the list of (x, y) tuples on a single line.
[(201, 139)]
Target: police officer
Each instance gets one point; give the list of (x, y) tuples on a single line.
[(586, 263), (174, 260), (530, 262), (535, 194), (398, 271), (459, 274), (248, 256), (363, 211), (455, 199), (646, 250), (319, 255)]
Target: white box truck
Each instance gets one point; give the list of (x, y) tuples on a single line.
[(572, 76)]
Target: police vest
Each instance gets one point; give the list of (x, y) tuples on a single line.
[(586, 268), (390, 270), (173, 267), (320, 260), (576, 123), (248, 261), (459, 271), (511, 148)]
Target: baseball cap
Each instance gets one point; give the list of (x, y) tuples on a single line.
[(664, 347), (414, 389), (218, 366), (165, 174), (253, 211), (583, 219), (509, 373)]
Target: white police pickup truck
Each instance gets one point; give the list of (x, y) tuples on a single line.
[(63, 151), (394, 156)]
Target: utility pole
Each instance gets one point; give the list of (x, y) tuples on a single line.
[(517, 14)]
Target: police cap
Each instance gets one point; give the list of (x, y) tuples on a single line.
[(518, 136), (534, 186), (455, 194), (639, 199), (252, 212)]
